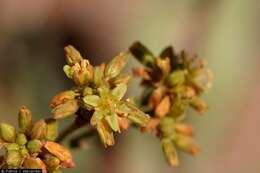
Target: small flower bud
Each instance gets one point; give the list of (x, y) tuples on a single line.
[(58, 150), (66, 109), (123, 123), (177, 77), (34, 163), (163, 108), (152, 126), (178, 108), (7, 132), (67, 164), (105, 134), (62, 98), (142, 54), (198, 104), (202, 79), (83, 73), (87, 91), (155, 97), (39, 130), (141, 72), (164, 65), (137, 116), (21, 139), (122, 79), (72, 55), (167, 126), (184, 129), (98, 75), (52, 130), (189, 92), (115, 66), (170, 152), (24, 119), (24, 152), (51, 161), (13, 158), (187, 144), (168, 52), (140, 119), (12, 146), (34, 146)]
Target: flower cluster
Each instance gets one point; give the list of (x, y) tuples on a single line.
[(173, 83), (99, 91), (33, 146)]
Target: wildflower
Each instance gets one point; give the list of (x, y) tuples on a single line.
[(32, 146), (99, 90), (172, 83)]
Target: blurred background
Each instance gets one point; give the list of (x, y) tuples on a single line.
[(226, 33)]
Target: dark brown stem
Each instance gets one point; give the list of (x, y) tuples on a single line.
[(70, 129), (76, 141), (83, 118)]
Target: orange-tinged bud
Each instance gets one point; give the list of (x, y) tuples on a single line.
[(123, 123), (198, 104), (72, 55), (170, 153), (164, 65), (39, 129), (141, 72), (34, 163), (51, 161), (66, 109), (152, 126), (190, 92), (83, 72), (67, 164), (105, 134), (163, 108), (62, 98), (187, 144), (58, 150), (156, 97), (185, 129)]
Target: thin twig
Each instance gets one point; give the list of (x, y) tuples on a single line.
[(83, 118), (75, 142), (70, 129)]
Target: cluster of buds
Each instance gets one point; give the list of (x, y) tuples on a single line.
[(173, 83), (33, 146), (99, 91)]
